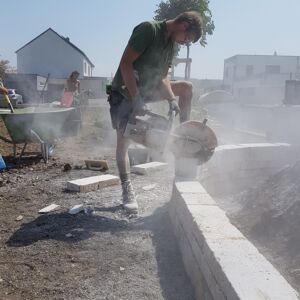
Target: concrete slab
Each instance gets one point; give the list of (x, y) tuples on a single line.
[(145, 169), (92, 183)]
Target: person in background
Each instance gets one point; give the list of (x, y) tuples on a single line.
[(142, 77), (73, 83)]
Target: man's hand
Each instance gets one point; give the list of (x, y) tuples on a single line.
[(173, 106), (139, 106)]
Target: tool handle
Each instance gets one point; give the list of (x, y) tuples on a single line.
[(9, 103), (7, 99)]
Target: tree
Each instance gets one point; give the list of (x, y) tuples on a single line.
[(171, 8), (6, 68)]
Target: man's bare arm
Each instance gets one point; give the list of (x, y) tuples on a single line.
[(127, 71), (166, 89)]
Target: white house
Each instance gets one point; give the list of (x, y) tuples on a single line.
[(51, 53), (260, 79)]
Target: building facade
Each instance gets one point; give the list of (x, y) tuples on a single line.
[(260, 79), (53, 54)]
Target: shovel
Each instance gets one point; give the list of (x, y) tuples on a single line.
[(7, 99)]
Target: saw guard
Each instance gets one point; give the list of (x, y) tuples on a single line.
[(193, 139)]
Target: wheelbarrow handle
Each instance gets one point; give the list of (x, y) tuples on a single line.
[(7, 99)]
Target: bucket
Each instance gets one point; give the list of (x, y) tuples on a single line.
[(2, 163)]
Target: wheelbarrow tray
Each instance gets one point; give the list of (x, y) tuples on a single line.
[(46, 122)]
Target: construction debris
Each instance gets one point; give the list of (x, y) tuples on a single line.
[(149, 187), (67, 167), (97, 165), (76, 209), (48, 208), (19, 218)]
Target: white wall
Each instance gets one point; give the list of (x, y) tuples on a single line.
[(50, 54), (260, 86), (288, 64)]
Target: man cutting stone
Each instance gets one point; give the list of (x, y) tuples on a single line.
[(142, 78)]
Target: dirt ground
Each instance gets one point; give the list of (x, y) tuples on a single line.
[(105, 255)]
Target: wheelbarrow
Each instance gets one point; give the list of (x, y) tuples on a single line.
[(36, 125)]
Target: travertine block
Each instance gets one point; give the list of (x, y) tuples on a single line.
[(145, 169), (92, 183)]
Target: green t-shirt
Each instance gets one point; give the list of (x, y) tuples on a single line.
[(156, 54)]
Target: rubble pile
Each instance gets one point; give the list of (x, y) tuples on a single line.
[(269, 216)]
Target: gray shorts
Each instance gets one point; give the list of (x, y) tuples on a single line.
[(120, 110)]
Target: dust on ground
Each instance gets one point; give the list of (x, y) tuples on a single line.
[(106, 255), (268, 215)]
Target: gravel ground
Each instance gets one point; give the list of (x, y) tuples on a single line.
[(106, 255)]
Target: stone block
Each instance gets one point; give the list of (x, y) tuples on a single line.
[(138, 155), (186, 168), (148, 168), (92, 183), (193, 269), (231, 266), (189, 187)]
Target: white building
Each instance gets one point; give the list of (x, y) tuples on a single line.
[(51, 53), (260, 79)]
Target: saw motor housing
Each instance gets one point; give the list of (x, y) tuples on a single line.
[(191, 139)]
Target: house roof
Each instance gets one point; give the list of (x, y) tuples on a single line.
[(67, 40), (255, 55)]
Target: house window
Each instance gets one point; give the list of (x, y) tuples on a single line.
[(85, 67), (249, 70), (272, 69)]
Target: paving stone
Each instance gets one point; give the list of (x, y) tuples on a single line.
[(198, 199), (145, 169), (92, 183), (189, 187)]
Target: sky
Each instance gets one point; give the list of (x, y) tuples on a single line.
[(101, 29)]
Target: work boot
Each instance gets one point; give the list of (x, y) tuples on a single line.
[(129, 202)]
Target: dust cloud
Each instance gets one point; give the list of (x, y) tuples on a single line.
[(264, 204)]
